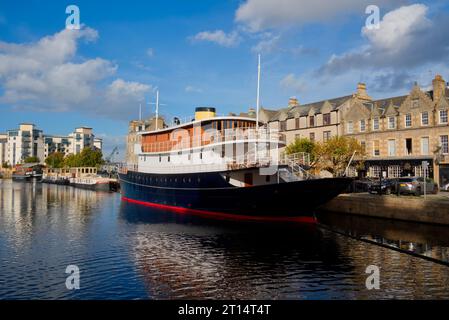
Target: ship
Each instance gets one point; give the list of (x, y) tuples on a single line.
[(27, 172), (224, 167)]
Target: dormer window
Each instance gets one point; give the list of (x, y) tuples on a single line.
[(425, 118), (362, 125), (326, 119), (350, 128), (443, 116), (391, 122), (408, 120), (311, 121), (283, 125), (376, 123)]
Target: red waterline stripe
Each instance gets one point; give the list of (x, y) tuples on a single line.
[(220, 215)]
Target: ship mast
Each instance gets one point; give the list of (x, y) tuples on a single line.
[(258, 93), (157, 108)]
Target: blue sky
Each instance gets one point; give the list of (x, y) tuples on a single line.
[(204, 53)]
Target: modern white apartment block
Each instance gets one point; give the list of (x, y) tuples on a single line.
[(28, 141), (3, 146)]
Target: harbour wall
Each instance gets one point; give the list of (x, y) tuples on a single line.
[(434, 210)]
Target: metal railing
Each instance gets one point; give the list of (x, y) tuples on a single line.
[(229, 135)]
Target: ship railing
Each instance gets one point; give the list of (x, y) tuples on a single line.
[(299, 158), (229, 136)]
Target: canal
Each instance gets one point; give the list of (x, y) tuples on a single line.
[(125, 251)]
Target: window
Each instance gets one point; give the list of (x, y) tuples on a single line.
[(374, 171), (326, 119), (311, 121), (376, 149), (391, 148), (425, 118), (312, 136), (394, 171), (362, 125), (444, 144), (350, 128), (408, 147), (391, 122), (408, 120), (283, 126), (297, 123), (376, 124), (425, 146), (326, 135), (363, 145), (415, 103), (443, 116)]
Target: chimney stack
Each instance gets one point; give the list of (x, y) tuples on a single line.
[(439, 88), (361, 92), (293, 102)]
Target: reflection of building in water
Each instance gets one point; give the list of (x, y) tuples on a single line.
[(22, 203)]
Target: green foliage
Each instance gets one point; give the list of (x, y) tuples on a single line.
[(55, 160), (87, 158), (32, 160), (335, 154), (332, 155), (302, 145)]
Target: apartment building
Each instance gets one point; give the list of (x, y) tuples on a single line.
[(3, 146), (28, 141), (398, 133)]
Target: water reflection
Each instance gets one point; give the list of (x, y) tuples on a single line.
[(185, 257), (126, 251), (423, 239)]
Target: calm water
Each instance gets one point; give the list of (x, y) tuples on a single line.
[(129, 252)]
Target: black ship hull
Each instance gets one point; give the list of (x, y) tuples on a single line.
[(208, 194)]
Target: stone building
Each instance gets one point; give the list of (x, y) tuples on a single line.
[(398, 133), (133, 138)]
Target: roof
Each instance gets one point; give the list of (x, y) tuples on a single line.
[(303, 110), (382, 104)]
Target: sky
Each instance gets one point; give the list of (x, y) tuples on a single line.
[(204, 53)]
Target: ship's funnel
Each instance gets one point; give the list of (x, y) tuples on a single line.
[(202, 113)]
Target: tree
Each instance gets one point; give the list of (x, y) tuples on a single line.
[(91, 157), (302, 145), (5, 165), (335, 154), (87, 158), (32, 160), (55, 160)]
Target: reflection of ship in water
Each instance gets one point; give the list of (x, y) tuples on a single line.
[(202, 258), (423, 239), (192, 258)]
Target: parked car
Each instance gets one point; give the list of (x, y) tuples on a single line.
[(415, 186), (385, 186)]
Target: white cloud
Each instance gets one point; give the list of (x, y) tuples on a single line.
[(268, 44), (47, 75), (291, 82), (192, 89), (407, 39), (399, 27), (121, 89), (218, 36), (265, 14)]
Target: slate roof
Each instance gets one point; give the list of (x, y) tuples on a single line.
[(303, 110)]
